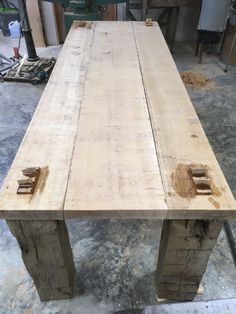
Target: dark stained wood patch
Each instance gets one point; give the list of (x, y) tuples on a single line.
[(183, 182)]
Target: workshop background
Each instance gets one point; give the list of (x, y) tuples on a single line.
[(119, 277)]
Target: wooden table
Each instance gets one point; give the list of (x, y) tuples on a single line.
[(116, 136)]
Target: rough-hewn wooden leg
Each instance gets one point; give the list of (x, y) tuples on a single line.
[(185, 248), (47, 256)]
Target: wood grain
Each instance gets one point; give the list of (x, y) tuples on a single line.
[(117, 133), (49, 140), (179, 136), (184, 252), (114, 170), (35, 22)]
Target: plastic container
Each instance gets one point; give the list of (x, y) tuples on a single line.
[(14, 28)]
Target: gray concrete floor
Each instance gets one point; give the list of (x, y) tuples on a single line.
[(116, 259), (222, 306)]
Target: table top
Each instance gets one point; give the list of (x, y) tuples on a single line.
[(115, 135)]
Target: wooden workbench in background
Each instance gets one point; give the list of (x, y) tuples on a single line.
[(115, 135)]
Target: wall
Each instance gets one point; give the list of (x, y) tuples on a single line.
[(188, 21)]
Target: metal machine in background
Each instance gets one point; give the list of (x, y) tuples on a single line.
[(26, 31), (88, 10), (31, 68), (212, 23), (165, 12), (213, 15)]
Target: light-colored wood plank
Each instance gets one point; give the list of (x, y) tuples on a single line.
[(35, 22), (180, 139), (184, 252), (49, 23), (49, 140), (47, 255), (114, 170)]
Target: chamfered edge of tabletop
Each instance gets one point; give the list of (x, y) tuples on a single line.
[(151, 214), (160, 214), (38, 214)]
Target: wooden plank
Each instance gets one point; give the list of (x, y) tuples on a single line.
[(184, 252), (49, 23), (47, 255), (114, 170), (110, 13), (180, 140), (49, 140), (35, 22), (59, 11)]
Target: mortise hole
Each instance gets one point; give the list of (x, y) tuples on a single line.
[(203, 186), (201, 181), (199, 172)]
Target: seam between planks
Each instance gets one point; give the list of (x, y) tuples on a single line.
[(150, 119)]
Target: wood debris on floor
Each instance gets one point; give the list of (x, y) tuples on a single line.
[(196, 80)]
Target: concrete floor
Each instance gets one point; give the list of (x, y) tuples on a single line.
[(222, 306), (116, 259)]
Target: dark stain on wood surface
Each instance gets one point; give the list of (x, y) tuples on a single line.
[(86, 24), (41, 182), (42, 179), (80, 24), (183, 182)]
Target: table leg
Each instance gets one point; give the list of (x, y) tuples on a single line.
[(47, 255), (185, 248)]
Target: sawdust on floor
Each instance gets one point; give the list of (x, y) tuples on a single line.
[(196, 80)]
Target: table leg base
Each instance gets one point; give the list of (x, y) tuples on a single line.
[(184, 252), (47, 255)]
